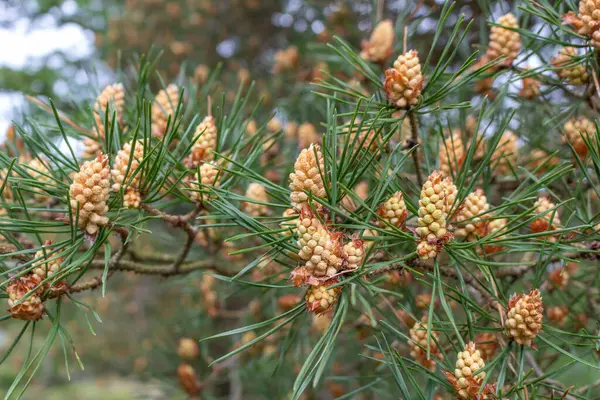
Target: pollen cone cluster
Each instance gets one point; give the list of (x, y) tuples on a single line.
[(91, 147), (431, 222), (393, 211), (452, 154), (354, 253), (450, 191), (256, 192), (39, 172), (307, 176), (418, 345), (286, 59), (307, 134), (558, 314), (548, 220), (524, 317), (47, 264), (112, 99), (494, 226), (30, 309), (187, 349), (573, 131), (505, 155), (539, 157), (361, 136), (567, 67), (319, 248), (89, 193), (531, 88), (465, 380), (470, 214), (381, 43), (209, 176), (587, 21), (290, 224), (206, 143), (320, 298), (403, 82), (164, 105), (504, 42), (126, 164)]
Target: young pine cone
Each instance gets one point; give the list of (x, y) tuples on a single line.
[(418, 345), (320, 298), (403, 82), (524, 317), (30, 309), (573, 131), (494, 226), (465, 380), (393, 211), (487, 343), (431, 224), (307, 176), (548, 220), (470, 214), (164, 106), (89, 193), (286, 59), (40, 173), (256, 192), (504, 42), (354, 253), (321, 249), (380, 45), (567, 67), (452, 154), (206, 143), (505, 155), (209, 176), (123, 169)]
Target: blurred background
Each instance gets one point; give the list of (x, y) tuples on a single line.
[(68, 51)]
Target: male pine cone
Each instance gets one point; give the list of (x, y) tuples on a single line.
[(404, 81), (465, 380), (393, 211), (206, 144), (431, 222), (89, 193), (524, 317), (504, 42), (163, 107), (30, 309), (307, 176), (380, 45)]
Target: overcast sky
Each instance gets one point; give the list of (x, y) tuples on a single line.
[(24, 45)]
